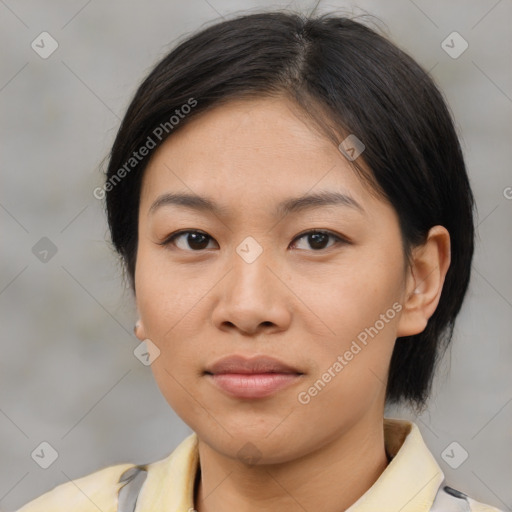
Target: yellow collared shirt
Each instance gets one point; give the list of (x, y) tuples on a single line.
[(409, 483)]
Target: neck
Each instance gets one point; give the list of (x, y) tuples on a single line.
[(333, 476)]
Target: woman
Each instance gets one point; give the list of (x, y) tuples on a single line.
[(290, 201)]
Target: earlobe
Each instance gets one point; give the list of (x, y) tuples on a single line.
[(424, 283), (139, 330)]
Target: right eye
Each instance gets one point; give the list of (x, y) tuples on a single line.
[(188, 240)]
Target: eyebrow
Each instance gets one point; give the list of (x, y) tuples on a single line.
[(291, 205)]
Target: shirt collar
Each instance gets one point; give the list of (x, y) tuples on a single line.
[(410, 481), (408, 484)]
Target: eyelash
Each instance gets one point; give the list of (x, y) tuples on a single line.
[(338, 239)]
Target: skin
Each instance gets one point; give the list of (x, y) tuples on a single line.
[(300, 304)]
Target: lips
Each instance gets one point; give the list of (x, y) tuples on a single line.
[(252, 378), (242, 365)]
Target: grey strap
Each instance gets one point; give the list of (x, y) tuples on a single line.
[(133, 479), (450, 500)]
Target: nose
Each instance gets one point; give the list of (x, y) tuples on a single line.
[(252, 297)]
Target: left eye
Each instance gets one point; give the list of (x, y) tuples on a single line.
[(318, 240)]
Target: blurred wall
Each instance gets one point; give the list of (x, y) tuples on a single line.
[(67, 370)]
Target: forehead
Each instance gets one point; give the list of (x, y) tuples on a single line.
[(250, 152)]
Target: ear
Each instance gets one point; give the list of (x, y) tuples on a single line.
[(139, 330), (424, 281)]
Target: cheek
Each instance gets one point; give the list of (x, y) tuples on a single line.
[(166, 297), (171, 302), (352, 297), (360, 308), (167, 311), (351, 368)]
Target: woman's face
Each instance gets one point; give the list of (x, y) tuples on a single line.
[(256, 282)]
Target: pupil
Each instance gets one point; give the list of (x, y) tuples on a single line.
[(197, 241), (317, 240)]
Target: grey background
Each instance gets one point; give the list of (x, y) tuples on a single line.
[(67, 371)]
